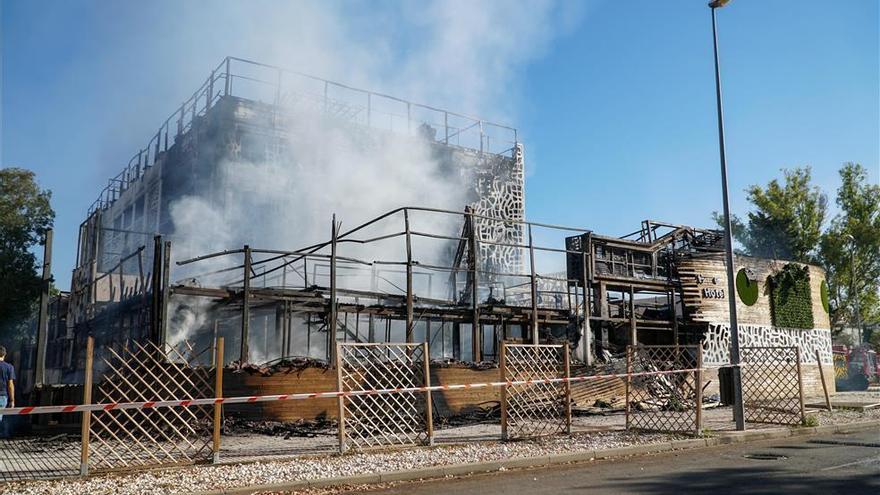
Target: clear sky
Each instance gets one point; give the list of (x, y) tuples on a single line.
[(614, 99)]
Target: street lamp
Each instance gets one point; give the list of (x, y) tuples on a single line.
[(738, 415), (852, 286)]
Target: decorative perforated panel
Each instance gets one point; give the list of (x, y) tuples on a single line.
[(716, 341), (499, 187)]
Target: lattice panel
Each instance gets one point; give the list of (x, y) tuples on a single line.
[(534, 409), (383, 420), (134, 438), (669, 402), (771, 385)]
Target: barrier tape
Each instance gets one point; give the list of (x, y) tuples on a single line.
[(113, 406)]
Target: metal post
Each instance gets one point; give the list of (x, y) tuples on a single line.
[(674, 312), (246, 307), (587, 330), (166, 274), (728, 238), (228, 79), (340, 400), (331, 326), (218, 393), (797, 354), (698, 391), (156, 282), (854, 294), (43, 328), (502, 372), (121, 281), (534, 286), (409, 280), (566, 364), (476, 337), (633, 331), (210, 92), (86, 415), (429, 407), (629, 350)]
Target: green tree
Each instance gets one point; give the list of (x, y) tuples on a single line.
[(25, 215), (850, 249), (786, 221)]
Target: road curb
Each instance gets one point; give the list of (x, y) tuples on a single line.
[(436, 472)]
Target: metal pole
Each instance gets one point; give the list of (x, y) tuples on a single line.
[(340, 400), (476, 336), (797, 357), (566, 365), (228, 81), (43, 329), (156, 282), (627, 387), (587, 333), (246, 307), (166, 294), (331, 326), (534, 286), (698, 392), (429, 407), (218, 393), (409, 281), (502, 371), (852, 288), (728, 238)]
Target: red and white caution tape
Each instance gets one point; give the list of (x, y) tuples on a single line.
[(112, 406)]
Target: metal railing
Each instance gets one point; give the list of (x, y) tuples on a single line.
[(281, 88)]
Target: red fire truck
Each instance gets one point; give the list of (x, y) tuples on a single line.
[(855, 367)]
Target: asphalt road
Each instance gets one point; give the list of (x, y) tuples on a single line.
[(847, 464)]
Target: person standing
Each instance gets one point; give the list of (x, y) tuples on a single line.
[(7, 388)]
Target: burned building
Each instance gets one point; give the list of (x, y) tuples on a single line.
[(249, 118), (209, 232)]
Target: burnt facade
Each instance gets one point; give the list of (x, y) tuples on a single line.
[(251, 115)]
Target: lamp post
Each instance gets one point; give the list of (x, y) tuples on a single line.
[(852, 287), (738, 415)]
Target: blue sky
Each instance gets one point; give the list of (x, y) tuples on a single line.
[(614, 100)]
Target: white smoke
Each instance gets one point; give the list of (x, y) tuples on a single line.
[(466, 56)]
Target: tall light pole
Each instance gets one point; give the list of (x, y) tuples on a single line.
[(852, 287), (738, 415)]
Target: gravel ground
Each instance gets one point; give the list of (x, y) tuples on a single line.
[(191, 479), (313, 458)]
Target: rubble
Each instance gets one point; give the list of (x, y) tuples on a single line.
[(455, 363), (290, 429), (284, 365)]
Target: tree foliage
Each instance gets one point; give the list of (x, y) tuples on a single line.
[(786, 222), (25, 215), (850, 249)]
